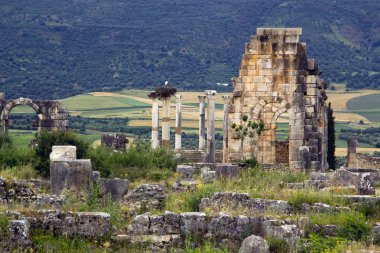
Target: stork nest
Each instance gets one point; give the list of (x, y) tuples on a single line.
[(163, 91)]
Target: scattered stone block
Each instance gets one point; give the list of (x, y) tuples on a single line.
[(185, 186), (193, 224), (185, 172), (94, 225), (140, 225), (71, 174), (116, 187), (19, 236), (207, 175), (254, 244), (63, 153)]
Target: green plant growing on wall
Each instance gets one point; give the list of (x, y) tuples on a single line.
[(247, 129)]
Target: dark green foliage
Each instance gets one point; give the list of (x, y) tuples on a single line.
[(331, 159), (5, 140), (316, 243), (354, 226), (46, 140), (247, 128), (369, 135), (251, 163), (56, 49), (278, 245), (138, 161), (11, 156), (4, 221), (193, 200)]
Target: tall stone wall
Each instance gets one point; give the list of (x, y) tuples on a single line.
[(276, 77)]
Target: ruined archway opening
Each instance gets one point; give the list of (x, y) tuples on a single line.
[(282, 139), (22, 124)]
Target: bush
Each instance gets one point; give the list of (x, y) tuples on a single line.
[(138, 161), (11, 156), (278, 245), (316, 243), (5, 139), (354, 227), (46, 140)]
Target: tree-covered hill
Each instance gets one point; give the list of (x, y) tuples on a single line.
[(55, 48)]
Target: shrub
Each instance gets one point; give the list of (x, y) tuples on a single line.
[(11, 156), (5, 139), (46, 140), (139, 161), (316, 243), (20, 172), (278, 245), (354, 227)]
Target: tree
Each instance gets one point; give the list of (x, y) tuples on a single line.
[(331, 159), (248, 128)]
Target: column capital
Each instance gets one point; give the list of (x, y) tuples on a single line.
[(210, 92), (178, 96), (202, 98), (226, 99)]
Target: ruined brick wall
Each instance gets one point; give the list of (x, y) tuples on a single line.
[(276, 77)]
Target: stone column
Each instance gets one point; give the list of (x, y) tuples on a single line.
[(178, 124), (166, 122), (155, 123), (351, 153), (210, 150), (202, 122), (226, 104)]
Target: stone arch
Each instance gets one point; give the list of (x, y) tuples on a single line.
[(51, 114), (16, 102), (269, 110)]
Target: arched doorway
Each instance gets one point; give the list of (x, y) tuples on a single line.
[(5, 114)]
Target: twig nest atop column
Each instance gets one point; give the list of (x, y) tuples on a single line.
[(163, 91)]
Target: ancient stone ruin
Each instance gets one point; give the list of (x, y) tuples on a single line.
[(117, 142), (277, 77), (52, 115)]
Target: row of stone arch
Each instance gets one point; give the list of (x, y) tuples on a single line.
[(52, 115)]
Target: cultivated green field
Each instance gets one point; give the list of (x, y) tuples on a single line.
[(134, 104), (368, 106)]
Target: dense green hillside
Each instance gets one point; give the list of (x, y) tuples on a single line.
[(55, 49)]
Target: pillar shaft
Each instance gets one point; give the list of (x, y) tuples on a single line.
[(155, 123), (166, 122), (202, 122), (351, 153), (210, 125), (178, 124), (226, 104)]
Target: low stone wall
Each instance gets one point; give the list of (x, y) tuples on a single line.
[(91, 225), (368, 162), (240, 202), (171, 230)]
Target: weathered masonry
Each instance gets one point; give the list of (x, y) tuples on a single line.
[(276, 78), (52, 115)]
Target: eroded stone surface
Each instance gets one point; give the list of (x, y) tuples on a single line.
[(254, 244)]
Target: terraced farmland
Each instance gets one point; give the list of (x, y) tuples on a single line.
[(354, 106)]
